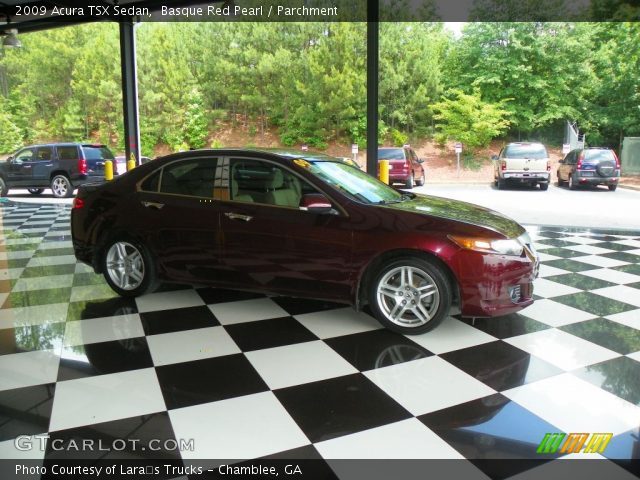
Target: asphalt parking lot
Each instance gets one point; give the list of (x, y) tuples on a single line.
[(591, 207)]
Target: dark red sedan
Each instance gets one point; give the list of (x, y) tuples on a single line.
[(302, 224)]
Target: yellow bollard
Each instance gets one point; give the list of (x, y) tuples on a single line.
[(384, 171), (131, 164), (108, 170)]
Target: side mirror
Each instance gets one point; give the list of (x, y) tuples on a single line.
[(494, 157), (9, 159), (316, 203)]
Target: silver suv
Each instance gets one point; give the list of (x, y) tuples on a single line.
[(524, 163)]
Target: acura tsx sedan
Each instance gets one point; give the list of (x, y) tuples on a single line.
[(302, 224)]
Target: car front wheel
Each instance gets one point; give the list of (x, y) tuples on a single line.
[(128, 268), (410, 295), (543, 186), (4, 191), (61, 187)]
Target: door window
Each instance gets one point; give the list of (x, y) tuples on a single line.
[(45, 154), (26, 155), (193, 178)]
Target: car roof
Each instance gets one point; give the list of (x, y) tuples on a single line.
[(283, 153), (525, 143)]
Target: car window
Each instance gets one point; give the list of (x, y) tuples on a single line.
[(26, 155), (45, 154), (150, 184), (189, 177), (258, 181), (534, 151), (391, 154), (97, 153), (596, 156), (69, 152)]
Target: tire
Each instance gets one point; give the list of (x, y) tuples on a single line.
[(35, 191), (420, 183), (544, 186), (4, 190), (572, 185), (61, 187), (410, 279), (560, 182), (501, 184), (128, 268), (410, 183), (612, 187)]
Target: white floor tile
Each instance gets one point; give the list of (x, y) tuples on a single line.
[(282, 367), (52, 260), (428, 384), (10, 273), (8, 450), (106, 329), (555, 314), (630, 243), (582, 240), (634, 356), (574, 405), (630, 318), (106, 397), (28, 368), (622, 293), (188, 345), (590, 249), (547, 271), (562, 349), (408, 439), (168, 300), (451, 335), (229, 313), (614, 276), (547, 288), (38, 315), (598, 261), (334, 323), (85, 293), (43, 283), (545, 257), (239, 428), (19, 254), (57, 244)]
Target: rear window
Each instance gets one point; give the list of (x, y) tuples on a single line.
[(599, 155), (391, 154), (97, 153), (525, 151)]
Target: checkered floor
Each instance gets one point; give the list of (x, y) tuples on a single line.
[(247, 376)]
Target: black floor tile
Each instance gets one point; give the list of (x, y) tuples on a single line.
[(634, 268), (17, 262), (101, 308), (51, 252), (501, 365), (275, 332), (32, 272), (221, 295), (556, 242), (37, 297), (593, 303), (209, 380), (570, 265), (104, 358), (25, 411), (607, 334), (506, 326), (583, 282), (615, 246), (623, 257), (377, 349), (562, 252), (300, 306), (339, 406), (166, 321), (620, 376), (31, 338), (83, 279)]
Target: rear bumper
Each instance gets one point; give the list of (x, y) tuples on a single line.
[(82, 179), (596, 180), (495, 285), (526, 176)]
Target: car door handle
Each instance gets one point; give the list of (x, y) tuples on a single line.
[(26, 166), (238, 216), (155, 205)]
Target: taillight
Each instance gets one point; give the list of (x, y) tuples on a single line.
[(82, 166), (503, 165), (617, 160), (548, 166), (579, 164), (78, 203)]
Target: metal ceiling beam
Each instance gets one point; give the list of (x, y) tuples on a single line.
[(129, 90)]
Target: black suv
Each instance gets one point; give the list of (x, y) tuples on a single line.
[(59, 166), (589, 166)]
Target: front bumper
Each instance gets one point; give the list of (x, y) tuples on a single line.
[(493, 285)]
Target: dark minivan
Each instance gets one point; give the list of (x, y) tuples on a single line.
[(59, 166)]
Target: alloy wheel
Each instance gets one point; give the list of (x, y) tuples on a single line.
[(125, 265)]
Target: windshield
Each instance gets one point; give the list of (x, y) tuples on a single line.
[(525, 151), (354, 183), (391, 154)]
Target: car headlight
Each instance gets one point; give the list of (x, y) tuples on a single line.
[(489, 245)]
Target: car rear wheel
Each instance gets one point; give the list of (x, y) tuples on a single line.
[(61, 187), (560, 181), (35, 191), (128, 268), (410, 182), (410, 295), (500, 184), (4, 190), (420, 183), (572, 184), (612, 187), (543, 186)]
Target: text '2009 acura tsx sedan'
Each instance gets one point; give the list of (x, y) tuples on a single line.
[(302, 224)]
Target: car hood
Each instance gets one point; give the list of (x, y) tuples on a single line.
[(461, 212)]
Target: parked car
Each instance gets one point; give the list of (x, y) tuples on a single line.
[(589, 166), (524, 163), (302, 224), (59, 166), (404, 165), (120, 164)]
